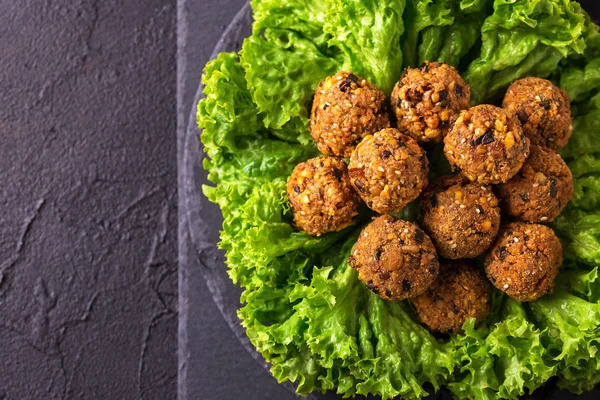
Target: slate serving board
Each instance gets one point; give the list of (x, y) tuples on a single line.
[(200, 222)]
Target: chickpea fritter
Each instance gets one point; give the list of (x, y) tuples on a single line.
[(486, 144), (394, 258), (388, 170), (543, 110), (321, 197), (345, 109), (461, 218), (426, 98), (524, 261), (541, 189), (460, 292)]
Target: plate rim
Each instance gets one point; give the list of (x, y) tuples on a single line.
[(193, 198)]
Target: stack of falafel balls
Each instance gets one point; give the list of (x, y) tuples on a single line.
[(508, 182)]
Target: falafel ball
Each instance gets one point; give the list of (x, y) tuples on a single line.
[(461, 218), (394, 258), (543, 109), (388, 170), (541, 189), (460, 292), (426, 98), (524, 261), (345, 109), (486, 144), (321, 197)]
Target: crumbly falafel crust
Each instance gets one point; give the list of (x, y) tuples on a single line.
[(460, 292), (524, 261), (394, 258), (541, 189), (345, 109), (486, 144), (388, 170), (461, 218), (426, 98), (321, 197), (543, 109)]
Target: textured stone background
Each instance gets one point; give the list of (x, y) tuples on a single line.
[(88, 254)]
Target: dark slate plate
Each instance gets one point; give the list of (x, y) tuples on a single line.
[(205, 220)]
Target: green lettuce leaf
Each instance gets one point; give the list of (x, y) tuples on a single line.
[(572, 332), (227, 111), (503, 360), (420, 15), (368, 32), (579, 76), (451, 43), (581, 283), (524, 37), (580, 82), (586, 125), (284, 59), (586, 164), (303, 16), (586, 195), (580, 233)]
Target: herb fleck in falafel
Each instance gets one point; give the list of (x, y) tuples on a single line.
[(321, 197), (543, 110), (388, 170), (460, 291), (541, 189), (461, 218), (345, 109), (394, 258), (426, 98), (486, 144), (524, 261)]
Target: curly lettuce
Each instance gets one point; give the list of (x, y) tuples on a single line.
[(372, 53), (287, 41), (442, 30), (524, 37), (303, 307), (504, 360)]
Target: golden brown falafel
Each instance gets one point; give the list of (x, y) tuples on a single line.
[(524, 261), (486, 144), (460, 292), (426, 98), (543, 109), (388, 170), (541, 189), (321, 197), (345, 109), (394, 258), (461, 218)]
